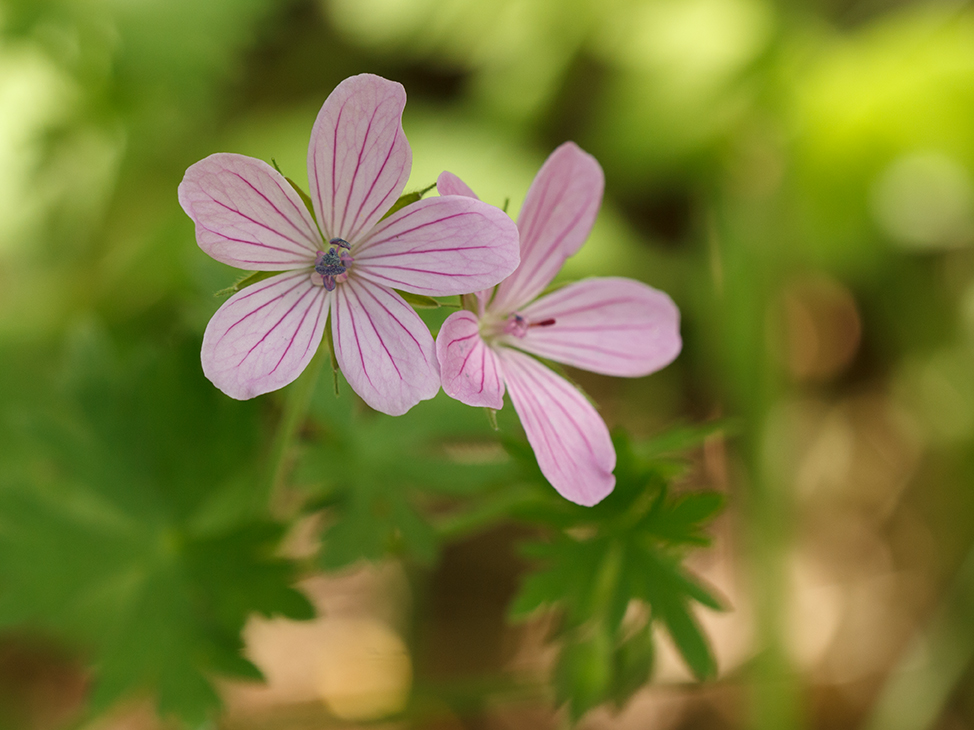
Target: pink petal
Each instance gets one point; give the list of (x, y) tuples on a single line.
[(470, 370), (384, 349), (610, 325), (247, 215), (449, 184), (555, 220), (440, 246), (358, 159), (569, 438), (263, 337)]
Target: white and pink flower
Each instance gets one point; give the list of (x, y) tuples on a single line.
[(346, 260), (608, 325)]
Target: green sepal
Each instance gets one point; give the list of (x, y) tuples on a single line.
[(305, 197), (408, 199), (469, 302), (297, 188), (492, 418), (418, 301), (244, 281)]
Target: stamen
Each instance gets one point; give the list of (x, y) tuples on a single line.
[(332, 266), (330, 263), (543, 323), (340, 242)]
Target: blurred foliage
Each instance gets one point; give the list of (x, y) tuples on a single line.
[(614, 570), (119, 533), (750, 147), (374, 474)]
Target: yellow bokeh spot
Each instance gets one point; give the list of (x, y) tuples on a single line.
[(365, 671)]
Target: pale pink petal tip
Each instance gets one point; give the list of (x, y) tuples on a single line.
[(358, 159), (568, 436), (263, 337), (384, 349), (469, 369), (247, 215), (609, 325), (449, 184), (556, 218), (440, 246)]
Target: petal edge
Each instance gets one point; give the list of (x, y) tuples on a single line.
[(358, 157), (263, 337), (568, 436), (384, 349), (470, 371), (609, 325)]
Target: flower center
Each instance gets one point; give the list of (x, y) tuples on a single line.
[(518, 326), (332, 265)]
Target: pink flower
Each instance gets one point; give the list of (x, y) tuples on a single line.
[(608, 325), (345, 260)]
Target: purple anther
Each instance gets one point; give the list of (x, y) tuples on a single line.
[(332, 265)]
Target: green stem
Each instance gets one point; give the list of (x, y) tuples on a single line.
[(295, 410)]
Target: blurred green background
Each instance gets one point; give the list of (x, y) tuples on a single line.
[(799, 176)]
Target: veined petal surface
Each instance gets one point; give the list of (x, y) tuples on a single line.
[(556, 218), (247, 215), (609, 325), (569, 437), (384, 349), (358, 159), (469, 369), (449, 184), (440, 246), (263, 337)]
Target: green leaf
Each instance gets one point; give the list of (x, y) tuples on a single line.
[(689, 639), (375, 474), (583, 673), (695, 509), (117, 543), (599, 559), (685, 437), (665, 587), (682, 520), (632, 666)]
